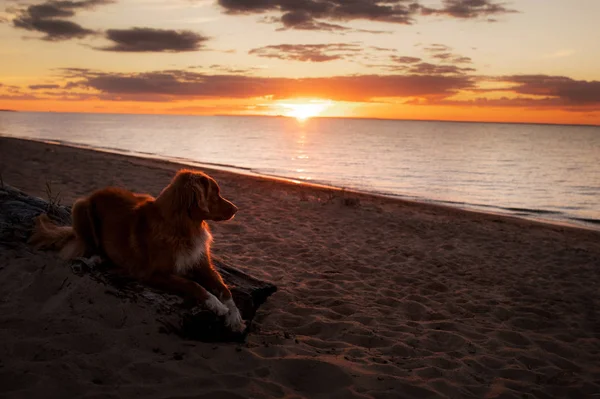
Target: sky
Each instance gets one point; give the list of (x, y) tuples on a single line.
[(474, 60)]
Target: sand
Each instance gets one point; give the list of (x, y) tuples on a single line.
[(378, 298)]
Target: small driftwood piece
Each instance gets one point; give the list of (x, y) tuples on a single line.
[(17, 213)]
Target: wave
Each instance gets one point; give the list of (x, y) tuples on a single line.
[(587, 220)]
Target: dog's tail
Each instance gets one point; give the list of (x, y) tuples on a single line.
[(65, 239), (47, 235)]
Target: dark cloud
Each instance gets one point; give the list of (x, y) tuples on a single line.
[(447, 62), (452, 58), (469, 9), (320, 52), (300, 22), (153, 40), (317, 14), (173, 85), (404, 59), (10, 88), (444, 54), (462, 60), (298, 12), (50, 18), (44, 87), (568, 91), (537, 91), (304, 21), (312, 14), (518, 102), (55, 29), (382, 48), (308, 52), (425, 68)]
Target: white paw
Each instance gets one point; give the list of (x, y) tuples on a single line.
[(96, 260), (215, 306), (92, 261), (234, 320)]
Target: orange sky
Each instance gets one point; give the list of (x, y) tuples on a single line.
[(525, 61)]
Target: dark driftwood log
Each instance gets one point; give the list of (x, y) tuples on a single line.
[(17, 212)]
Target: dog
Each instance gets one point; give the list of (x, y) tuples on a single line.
[(164, 242)]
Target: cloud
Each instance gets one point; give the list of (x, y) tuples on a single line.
[(308, 52), (469, 9), (304, 21), (452, 58), (175, 85), (228, 69), (425, 68), (568, 91), (436, 48), (50, 18), (536, 91), (439, 59), (320, 52), (312, 14), (153, 40), (444, 53), (44, 87), (404, 59), (301, 12), (448, 63)]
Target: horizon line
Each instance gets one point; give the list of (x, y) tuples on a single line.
[(314, 117)]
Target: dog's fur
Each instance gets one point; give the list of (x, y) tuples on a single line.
[(164, 242)]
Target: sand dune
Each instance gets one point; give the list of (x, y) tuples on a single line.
[(378, 298)]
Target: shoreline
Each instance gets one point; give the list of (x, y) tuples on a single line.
[(493, 210)]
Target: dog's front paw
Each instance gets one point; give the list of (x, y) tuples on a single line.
[(234, 321), (91, 262), (215, 306)]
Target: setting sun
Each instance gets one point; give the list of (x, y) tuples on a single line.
[(305, 110)]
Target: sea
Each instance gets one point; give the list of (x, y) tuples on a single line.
[(543, 172)]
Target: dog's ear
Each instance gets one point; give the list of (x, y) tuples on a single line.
[(189, 193), (199, 208), (202, 188), (180, 195)]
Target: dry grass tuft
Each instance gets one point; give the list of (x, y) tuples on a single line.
[(53, 199)]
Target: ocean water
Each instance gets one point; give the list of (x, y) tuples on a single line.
[(547, 172)]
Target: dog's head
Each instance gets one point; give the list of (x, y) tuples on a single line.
[(198, 195)]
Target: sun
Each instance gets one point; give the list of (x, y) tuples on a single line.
[(302, 110)]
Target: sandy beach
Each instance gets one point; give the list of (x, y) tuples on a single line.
[(378, 298)]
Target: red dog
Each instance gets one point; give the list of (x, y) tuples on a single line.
[(164, 242)]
